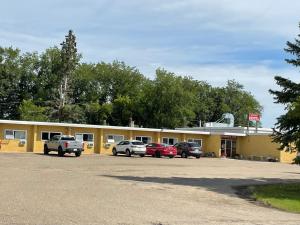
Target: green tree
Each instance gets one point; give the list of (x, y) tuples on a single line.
[(31, 112), (9, 86), (287, 127)]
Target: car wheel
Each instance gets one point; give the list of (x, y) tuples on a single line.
[(157, 154), (77, 154), (142, 155), (114, 151), (183, 155), (128, 153), (60, 152), (198, 156), (46, 150)]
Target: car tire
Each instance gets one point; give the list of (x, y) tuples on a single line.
[(60, 152), (128, 153), (46, 150), (183, 155), (157, 154), (77, 154), (142, 155), (114, 151), (198, 157)]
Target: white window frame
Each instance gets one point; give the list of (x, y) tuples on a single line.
[(123, 137), (149, 138), (87, 134), (196, 139), (175, 140), (14, 138), (60, 133)]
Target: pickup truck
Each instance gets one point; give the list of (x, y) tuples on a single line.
[(63, 144)]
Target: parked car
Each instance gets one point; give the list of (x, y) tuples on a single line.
[(63, 144), (185, 149), (160, 149), (130, 148)]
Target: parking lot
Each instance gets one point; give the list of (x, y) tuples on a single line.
[(94, 189)]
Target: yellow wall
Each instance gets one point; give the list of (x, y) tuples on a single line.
[(213, 144), (39, 145), (257, 146), (107, 132), (14, 145), (287, 156)]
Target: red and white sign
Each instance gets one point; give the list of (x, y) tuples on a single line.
[(254, 117)]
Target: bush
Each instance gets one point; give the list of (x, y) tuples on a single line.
[(297, 160)]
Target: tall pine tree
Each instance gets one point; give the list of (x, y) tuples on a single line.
[(287, 128)]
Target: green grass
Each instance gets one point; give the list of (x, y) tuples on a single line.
[(281, 196)]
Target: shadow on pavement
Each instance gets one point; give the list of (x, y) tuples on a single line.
[(228, 186)]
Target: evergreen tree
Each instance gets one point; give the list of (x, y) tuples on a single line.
[(287, 128)]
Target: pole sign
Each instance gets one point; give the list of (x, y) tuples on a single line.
[(254, 117)]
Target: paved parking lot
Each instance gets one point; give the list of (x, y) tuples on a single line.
[(93, 189)]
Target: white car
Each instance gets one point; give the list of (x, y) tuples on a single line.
[(130, 148)]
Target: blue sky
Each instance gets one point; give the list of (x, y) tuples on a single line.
[(209, 40)]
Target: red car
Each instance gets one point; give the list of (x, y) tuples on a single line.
[(159, 149)]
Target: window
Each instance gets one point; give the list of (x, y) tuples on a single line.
[(143, 139), (15, 134), (111, 138), (198, 141), (170, 141), (46, 135), (85, 137)]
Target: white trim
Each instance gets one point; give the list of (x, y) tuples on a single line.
[(88, 134), (48, 134), (19, 122), (149, 138), (196, 139), (106, 137), (175, 139), (14, 134)]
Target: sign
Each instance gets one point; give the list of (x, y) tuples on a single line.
[(254, 117)]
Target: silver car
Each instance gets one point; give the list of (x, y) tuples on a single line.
[(130, 148)]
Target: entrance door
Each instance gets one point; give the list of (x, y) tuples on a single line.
[(228, 147)]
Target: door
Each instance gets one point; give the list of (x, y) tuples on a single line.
[(228, 148)]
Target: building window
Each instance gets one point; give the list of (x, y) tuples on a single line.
[(88, 137), (169, 141), (144, 139), (111, 138), (198, 141), (15, 134), (46, 135)]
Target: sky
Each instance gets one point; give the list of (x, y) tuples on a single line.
[(212, 40)]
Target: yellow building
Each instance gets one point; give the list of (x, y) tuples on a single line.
[(28, 136)]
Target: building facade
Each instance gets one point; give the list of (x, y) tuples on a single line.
[(28, 136)]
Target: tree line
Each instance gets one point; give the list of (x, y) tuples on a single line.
[(57, 86)]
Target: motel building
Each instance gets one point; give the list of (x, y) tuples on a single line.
[(230, 142)]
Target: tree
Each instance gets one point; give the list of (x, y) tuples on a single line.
[(9, 76), (69, 62), (31, 112), (287, 127)]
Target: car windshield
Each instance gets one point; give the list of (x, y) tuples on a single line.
[(68, 138), (194, 145), (137, 143)]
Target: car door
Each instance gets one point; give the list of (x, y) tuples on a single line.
[(53, 142), (150, 149), (126, 145), (119, 146), (179, 147)]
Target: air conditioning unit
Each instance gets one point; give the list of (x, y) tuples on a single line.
[(90, 145), (22, 142)]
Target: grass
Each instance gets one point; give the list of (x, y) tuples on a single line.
[(281, 196)]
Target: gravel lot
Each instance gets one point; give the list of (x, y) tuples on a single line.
[(93, 189)]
